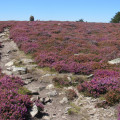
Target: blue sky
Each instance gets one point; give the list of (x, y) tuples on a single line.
[(63, 10)]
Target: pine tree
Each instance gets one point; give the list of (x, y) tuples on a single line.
[(116, 18)]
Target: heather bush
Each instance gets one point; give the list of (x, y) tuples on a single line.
[(71, 94), (68, 46), (61, 82), (103, 81), (13, 105), (112, 97)]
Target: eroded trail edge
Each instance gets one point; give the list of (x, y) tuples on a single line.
[(39, 82)]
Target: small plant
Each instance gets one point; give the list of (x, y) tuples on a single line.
[(112, 97), (74, 110), (31, 18), (71, 94), (24, 91), (61, 82), (39, 105)]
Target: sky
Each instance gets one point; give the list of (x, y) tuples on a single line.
[(59, 10)]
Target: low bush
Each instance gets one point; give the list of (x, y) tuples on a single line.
[(112, 97), (61, 82), (103, 82), (71, 94), (14, 101), (13, 106)]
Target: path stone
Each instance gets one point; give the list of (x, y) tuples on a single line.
[(19, 70), (27, 61), (34, 110), (50, 86), (11, 63), (52, 93), (7, 72), (64, 100)]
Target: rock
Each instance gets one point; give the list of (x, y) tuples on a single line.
[(46, 118), (31, 66), (10, 51), (27, 61), (90, 76), (2, 34), (11, 63), (66, 109), (34, 110), (34, 92), (49, 87), (64, 100), (115, 61), (42, 100), (92, 112), (34, 98), (46, 75), (9, 68), (64, 117), (47, 99), (53, 74), (52, 94), (41, 88), (28, 81), (69, 78), (54, 115), (7, 72), (19, 70)]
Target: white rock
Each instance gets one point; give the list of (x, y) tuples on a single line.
[(46, 118), (52, 94), (34, 91), (69, 78), (11, 63), (47, 99), (46, 75), (7, 72), (34, 110), (115, 61), (49, 87), (27, 61), (21, 70), (64, 100), (66, 109)]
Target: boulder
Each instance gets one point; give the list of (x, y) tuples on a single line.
[(7, 72), (19, 70), (34, 110), (64, 100), (50, 86), (11, 63), (114, 61), (52, 93), (27, 61)]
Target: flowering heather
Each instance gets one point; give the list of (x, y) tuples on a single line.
[(13, 106), (103, 81), (73, 47)]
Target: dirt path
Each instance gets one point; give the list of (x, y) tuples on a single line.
[(40, 83)]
